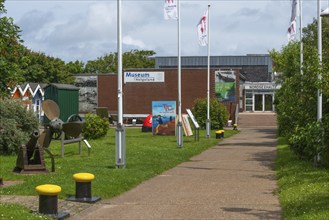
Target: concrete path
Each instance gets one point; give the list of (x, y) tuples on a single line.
[(234, 180)]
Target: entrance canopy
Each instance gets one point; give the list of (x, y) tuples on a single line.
[(260, 96)]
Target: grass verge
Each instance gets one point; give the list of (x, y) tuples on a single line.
[(303, 188), (146, 157), (15, 211)]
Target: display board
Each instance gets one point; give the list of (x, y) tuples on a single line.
[(193, 118), (186, 125), (163, 117)]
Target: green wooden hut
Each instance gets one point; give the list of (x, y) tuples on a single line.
[(66, 96)]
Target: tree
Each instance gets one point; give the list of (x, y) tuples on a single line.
[(76, 67), (105, 64), (131, 59), (41, 68), (19, 64), (138, 59), (296, 101), (10, 52)]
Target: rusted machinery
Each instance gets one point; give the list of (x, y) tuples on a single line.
[(30, 158)]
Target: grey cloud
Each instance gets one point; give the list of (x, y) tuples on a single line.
[(87, 30), (34, 21), (248, 12)]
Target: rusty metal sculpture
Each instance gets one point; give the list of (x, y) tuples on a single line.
[(70, 131), (30, 157)]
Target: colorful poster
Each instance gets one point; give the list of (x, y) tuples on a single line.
[(225, 91), (163, 118)]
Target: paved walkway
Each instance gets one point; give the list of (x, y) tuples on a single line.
[(234, 180)]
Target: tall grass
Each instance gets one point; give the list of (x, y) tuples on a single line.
[(303, 188)]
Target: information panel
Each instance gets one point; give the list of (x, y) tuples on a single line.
[(163, 117), (192, 118)]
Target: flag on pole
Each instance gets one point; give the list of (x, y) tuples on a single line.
[(170, 9), (294, 10), (292, 25), (203, 30), (292, 31)]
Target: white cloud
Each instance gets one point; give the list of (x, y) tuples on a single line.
[(86, 30), (133, 42)]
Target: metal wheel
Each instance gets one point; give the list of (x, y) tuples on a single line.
[(74, 118)]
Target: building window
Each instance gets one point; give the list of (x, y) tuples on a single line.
[(249, 101)]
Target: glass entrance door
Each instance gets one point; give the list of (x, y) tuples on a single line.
[(263, 102), (258, 102), (268, 102)]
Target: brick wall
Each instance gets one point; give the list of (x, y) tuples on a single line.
[(138, 97), (107, 91)]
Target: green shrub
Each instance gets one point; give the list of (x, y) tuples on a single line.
[(307, 141), (218, 113), (95, 126), (17, 124)]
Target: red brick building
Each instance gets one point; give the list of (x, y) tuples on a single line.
[(138, 96), (248, 80)]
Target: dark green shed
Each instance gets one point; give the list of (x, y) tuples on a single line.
[(66, 96)]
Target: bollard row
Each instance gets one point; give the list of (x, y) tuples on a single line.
[(48, 195)]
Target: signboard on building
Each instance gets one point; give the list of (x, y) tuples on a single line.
[(262, 86), (138, 77), (225, 86), (163, 117)]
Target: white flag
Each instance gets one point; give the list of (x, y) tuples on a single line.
[(292, 31), (292, 25), (203, 30), (294, 10), (170, 9)]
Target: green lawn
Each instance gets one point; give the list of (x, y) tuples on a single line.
[(303, 189), (16, 212), (146, 157)]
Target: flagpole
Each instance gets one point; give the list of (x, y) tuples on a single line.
[(319, 107), (120, 130), (208, 125), (179, 122), (301, 35)]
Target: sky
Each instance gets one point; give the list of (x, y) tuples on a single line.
[(85, 30)]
